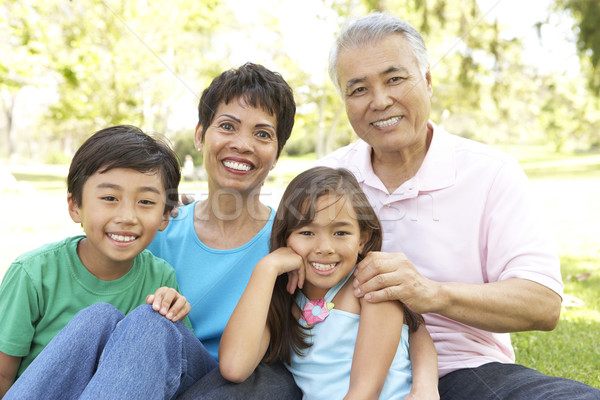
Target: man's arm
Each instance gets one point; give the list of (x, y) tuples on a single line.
[(9, 365), (505, 306)]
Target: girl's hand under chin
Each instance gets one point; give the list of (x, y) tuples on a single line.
[(288, 261)]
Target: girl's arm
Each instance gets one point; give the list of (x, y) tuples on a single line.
[(246, 336), (376, 344), (423, 359)]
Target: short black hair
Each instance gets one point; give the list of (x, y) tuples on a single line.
[(124, 146)]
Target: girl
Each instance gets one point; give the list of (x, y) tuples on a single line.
[(336, 345)]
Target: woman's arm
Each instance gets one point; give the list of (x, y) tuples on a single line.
[(246, 336), (376, 344), (423, 361), (9, 365)]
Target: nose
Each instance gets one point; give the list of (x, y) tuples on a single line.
[(324, 245), (242, 142), (381, 98), (126, 214)]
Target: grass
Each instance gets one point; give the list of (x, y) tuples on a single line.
[(566, 185)]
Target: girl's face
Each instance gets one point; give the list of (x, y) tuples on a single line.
[(239, 146), (329, 245)]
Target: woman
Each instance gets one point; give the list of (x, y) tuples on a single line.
[(245, 117)]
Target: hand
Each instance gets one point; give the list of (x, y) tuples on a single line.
[(288, 261), (391, 276), (170, 303), (184, 199)]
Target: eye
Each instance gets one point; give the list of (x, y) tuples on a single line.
[(264, 135), (305, 233), (227, 126), (147, 202), (357, 92), (108, 198), (397, 79), (341, 233)]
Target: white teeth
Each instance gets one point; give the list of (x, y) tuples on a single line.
[(120, 238), (322, 267), (387, 122), (236, 165)]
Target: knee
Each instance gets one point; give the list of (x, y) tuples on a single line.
[(145, 318)]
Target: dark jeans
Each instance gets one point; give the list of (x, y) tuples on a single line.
[(268, 382), (496, 381)]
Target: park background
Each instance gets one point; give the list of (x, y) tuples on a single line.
[(522, 76)]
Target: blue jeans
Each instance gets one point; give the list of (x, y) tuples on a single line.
[(101, 354), (496, 381)]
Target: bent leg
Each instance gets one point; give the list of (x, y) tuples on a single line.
[(148, 357), (496, 381), (268, 382), (67, 363)]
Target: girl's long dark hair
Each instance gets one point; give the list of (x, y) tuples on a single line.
[(297, 209)]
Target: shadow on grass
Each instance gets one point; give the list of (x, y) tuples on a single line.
[(42, 181)]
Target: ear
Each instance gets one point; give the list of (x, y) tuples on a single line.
[(429, 85), (74, 210), (364, 239), (198, 136), (165, 221)]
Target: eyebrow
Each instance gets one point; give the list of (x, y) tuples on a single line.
[(239, 121), (353, 82), (107, 185)]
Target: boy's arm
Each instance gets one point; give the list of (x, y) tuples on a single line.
[(376, 344), (246, 337), (9, 365), (423, 361)]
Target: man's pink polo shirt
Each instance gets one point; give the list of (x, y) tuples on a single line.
[(466, 216)]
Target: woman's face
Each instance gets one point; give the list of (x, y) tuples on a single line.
[(239, 147)]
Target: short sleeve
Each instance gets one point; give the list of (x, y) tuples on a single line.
[(19, 307), (515, 241)]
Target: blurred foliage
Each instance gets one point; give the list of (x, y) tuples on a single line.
[(93, 63), (586, 14)]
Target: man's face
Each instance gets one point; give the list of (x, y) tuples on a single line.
[(387, 97)]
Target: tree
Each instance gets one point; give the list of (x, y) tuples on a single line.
[(586, 14)]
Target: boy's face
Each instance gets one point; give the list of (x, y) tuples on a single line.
[(121, 211)]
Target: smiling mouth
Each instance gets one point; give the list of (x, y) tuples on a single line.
[(120, 238), (386, 122), (323, 267), (237, 165)]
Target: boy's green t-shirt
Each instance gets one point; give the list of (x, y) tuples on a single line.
[(44, 288)]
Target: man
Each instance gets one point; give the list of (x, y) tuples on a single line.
[(462, 244)]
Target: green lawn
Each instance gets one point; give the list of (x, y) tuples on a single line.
[(568, 190)]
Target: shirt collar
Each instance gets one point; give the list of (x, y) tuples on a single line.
[(437, 171)]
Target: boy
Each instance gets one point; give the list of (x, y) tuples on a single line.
[(122, 185)]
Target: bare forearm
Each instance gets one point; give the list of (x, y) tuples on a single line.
[(423, 361), (243, 341), (507, 306)]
